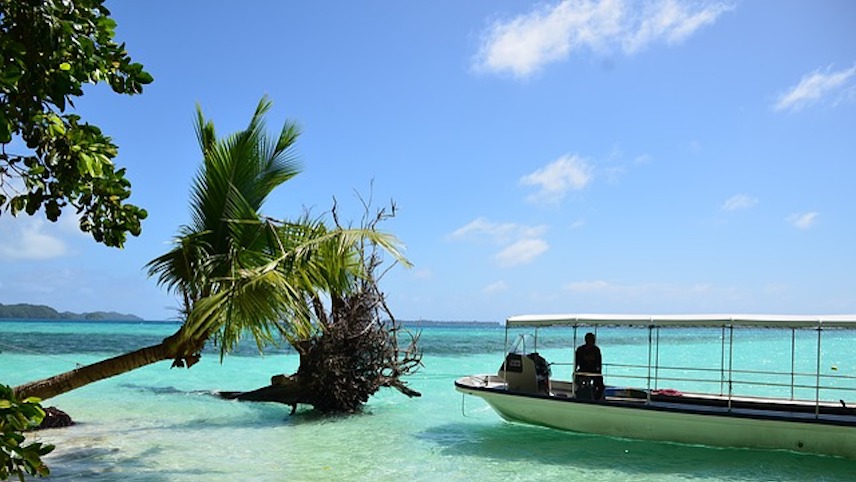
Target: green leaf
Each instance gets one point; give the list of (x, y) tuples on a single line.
[(85, 164), (58, 45), (10, 75), (52, 210), (16, 204), (5, 131), (145, 78)]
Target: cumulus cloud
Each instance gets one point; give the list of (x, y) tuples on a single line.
[(589, 286), (643, 159), (498, 287), (738, 202), (481, 228), (570, 172), (816, 87), (550, 33), (520, 244), (29, 239), (803, 220), (521, 252)]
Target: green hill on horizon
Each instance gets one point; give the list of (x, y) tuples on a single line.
[(27, 311)]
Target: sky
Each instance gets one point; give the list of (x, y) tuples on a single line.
[(614, 156)]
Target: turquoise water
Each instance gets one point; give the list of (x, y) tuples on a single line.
[(162, 424)]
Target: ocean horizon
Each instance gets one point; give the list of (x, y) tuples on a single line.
[(161, 424)]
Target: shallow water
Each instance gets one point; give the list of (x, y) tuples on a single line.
[(162, 424)]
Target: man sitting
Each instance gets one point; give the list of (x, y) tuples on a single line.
[(588, 362)]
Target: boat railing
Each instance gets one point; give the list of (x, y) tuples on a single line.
[(713, 380)]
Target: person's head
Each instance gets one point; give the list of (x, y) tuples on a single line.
[(590, 339)]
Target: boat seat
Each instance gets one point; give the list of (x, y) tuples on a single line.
[(584, 388)]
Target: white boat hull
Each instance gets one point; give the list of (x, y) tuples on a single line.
[(716, 427)]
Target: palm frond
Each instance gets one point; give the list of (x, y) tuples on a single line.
[(240, 274)]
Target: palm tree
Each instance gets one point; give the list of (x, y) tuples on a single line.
[(234, 270)]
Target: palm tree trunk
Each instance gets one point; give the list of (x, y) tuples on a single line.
[(64, 382)]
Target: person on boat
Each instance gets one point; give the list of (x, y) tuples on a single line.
[(588, 360)]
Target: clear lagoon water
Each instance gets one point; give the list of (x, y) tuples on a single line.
[(162, 424)]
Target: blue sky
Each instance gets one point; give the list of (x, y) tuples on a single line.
[(576, 156)]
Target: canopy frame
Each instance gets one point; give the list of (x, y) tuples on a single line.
[(725, 322)]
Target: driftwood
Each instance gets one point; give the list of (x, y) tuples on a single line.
[(339, 370), (280, 393)]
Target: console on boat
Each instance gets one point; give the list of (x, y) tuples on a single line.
[(525, 371)]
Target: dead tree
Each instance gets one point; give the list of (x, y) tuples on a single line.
[(359, 348)]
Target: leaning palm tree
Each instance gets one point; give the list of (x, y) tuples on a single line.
[(235, 271), (352, 345)]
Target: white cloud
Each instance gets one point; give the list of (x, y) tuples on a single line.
[(669, 20), (481, 228), (579, 223), (524, 44), (803, 220), (569, 172), (738, 202), (643, 159), (817, 86), (28, 238), (521, 252), (521, 244), (589, 286), (498, 287)]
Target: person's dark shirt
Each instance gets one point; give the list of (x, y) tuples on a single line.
[(588, 359)]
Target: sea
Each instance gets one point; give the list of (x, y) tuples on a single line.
[(160, 424)]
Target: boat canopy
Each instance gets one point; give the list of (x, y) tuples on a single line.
[(695, 320)]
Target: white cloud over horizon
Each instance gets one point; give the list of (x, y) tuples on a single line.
[(803, 220), (28, 239), (497, 287), (579, 223), (500, 233), (524, 44), (555, 180), (739, 202), (521, 252), (816, 86), (521, 244)]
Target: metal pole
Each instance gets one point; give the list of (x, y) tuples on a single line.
[(657, 360), (505, 356), (722, 363), (793, 358), (650, 333), (817, 376), (730, 364), (574, 367), (535, 347)]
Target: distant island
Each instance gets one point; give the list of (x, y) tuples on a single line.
[(430, 323), (23, 311)]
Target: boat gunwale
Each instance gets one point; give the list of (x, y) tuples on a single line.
[(680, 407)]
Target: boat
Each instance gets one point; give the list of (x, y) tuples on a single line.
[(799, 409)]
